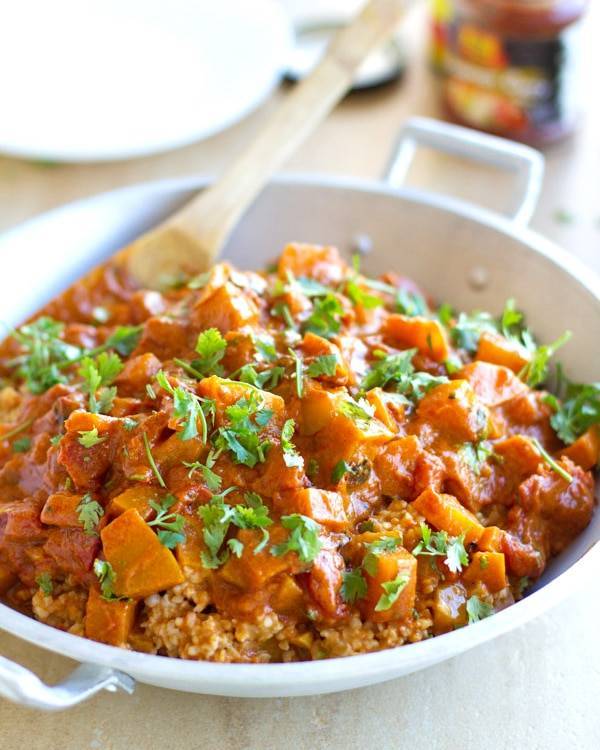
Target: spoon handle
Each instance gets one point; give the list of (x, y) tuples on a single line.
[(194, 236)]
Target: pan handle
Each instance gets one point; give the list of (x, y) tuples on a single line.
[(526, 163), (24, 687)]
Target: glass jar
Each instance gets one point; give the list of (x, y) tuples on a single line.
[(510, 66)]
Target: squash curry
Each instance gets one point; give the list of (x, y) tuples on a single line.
[(295, 464)]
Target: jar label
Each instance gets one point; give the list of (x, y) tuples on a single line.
[(518, 87)]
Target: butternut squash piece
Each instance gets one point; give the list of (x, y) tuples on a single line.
[(60, 509), (489, 568), (288, 598), (327, 508), (389, 408), (137, 497), (317, 346), (390, 566), (447, 514), (141, 563), (428, 336), (322, 263), (227, 308), (585, 451), (498, 350), (454, 410), (491, 539), (188, 552), (251, 571), (492, 383), (449, 608), (108, 621), (7, 578)]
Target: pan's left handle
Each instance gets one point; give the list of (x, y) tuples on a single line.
[(24, 687)]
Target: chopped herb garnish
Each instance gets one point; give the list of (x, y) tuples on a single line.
[(411, 304), (16, 430), (188, 408), (375, 549), (89, 438), (550, 461), (283, 311), (97, 375), (211, 348), (360, 412), (55, 439), (477, 609), (151, 461), (303, 539), (535, 371), (476, 454), (213, 481), (21, 445), (240, 435), (44, 581), (129, 424), (468, 329), (354, 586), (398, 371), (265, 380), (150, 391), (439, 544), (106, 577), (341, 468), (89, 512), (359, 296), (325, 364), (579, 411), (392, 589), (298, 373), (291, 457), (324, 319), (169, 525), (313, 469)]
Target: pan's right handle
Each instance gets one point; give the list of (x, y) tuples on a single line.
[(526, 163), (22, 686)]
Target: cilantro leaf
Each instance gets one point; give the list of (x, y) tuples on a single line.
[(265, 380), (411, 304), (213, 481), (89, 512), (106, 577), (21, 445), (579, 411), (325, 364), (477, 609), (98, 374), (124, 339), (151, 460), (375, 549), (476, 454), (360, 412), (298, 373), (240, 436), (169, 525), (359, 296), (392, 590), (556, 467), (89, 438), (210, 347), (291, 457), (468, 328), (324, 319), (535, 371), (283, 311), (354, 586), (341, 468), (439, 544), (398, 370), (188, 408), (303, 539), (44, 581)]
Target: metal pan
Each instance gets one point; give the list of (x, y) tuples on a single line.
[(461, 253)]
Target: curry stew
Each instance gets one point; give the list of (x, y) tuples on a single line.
[(288, 465)]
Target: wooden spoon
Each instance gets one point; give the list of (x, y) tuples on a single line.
[(192, 238)]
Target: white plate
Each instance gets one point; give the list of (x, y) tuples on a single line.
[(90, 80)]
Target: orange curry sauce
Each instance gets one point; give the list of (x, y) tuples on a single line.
[(370, 466)]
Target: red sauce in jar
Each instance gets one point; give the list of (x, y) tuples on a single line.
[(510, 66)]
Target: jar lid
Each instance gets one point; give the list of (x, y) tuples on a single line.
[(384, 65)]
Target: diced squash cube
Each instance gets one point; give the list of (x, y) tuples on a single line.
[(449, 608), (188, 552), (325, 580), (108, 621), (226, 392), (60, 509), (390, 408), (491, 539), (454, 410), (251, 571), (227, 308), (322, 263), (498, 350), (427, 335), (445, 513), (492, 383), (489, 568), (317, 346), (137, 373), (585, 451), (137, 497), (288, 598), (142, 565), (327, 508), (390, 566), (7, 578), (395, 465)]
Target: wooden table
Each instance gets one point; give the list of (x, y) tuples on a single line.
[(537, 687)]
